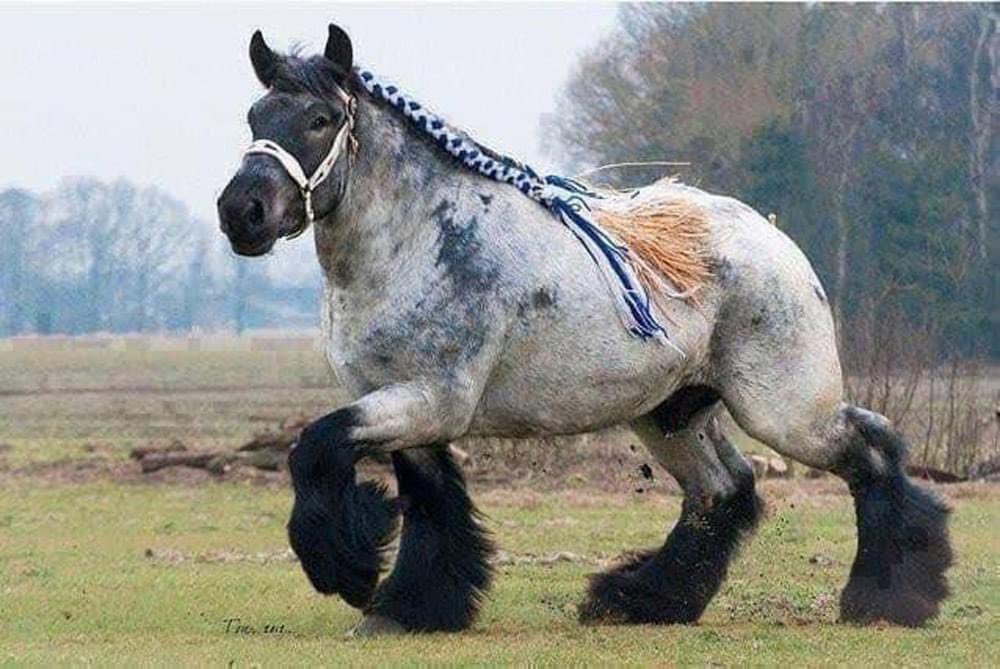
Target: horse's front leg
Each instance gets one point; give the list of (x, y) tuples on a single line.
[(340, 529), (442, 571)]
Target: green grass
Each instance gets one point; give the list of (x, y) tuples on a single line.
[(77, 586)]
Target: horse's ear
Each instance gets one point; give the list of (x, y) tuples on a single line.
[(265, 61), (338, 48)]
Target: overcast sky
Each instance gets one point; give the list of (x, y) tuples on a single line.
[(159, 93)]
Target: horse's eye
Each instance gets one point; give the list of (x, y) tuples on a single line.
[(319, 123)]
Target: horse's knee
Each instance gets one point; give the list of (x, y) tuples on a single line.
[(685, 438), (338, 529)]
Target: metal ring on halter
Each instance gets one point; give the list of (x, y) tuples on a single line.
[(307, 184)]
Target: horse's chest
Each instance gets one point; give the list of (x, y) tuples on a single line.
[(425, 331)]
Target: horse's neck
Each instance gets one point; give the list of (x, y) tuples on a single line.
[(393, 189)]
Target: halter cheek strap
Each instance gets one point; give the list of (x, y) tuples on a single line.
[(307, 184)]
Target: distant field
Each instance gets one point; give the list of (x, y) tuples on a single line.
[(101, 565), (69, 403)]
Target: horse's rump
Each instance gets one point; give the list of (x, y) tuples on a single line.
[(666, 233)]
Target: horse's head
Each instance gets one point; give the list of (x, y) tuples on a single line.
[(295, 170)]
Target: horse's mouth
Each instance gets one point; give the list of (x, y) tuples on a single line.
[(253, 250)]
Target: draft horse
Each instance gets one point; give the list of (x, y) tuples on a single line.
[(456, 306)]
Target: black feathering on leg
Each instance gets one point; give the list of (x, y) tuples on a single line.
[(904, 550), (338, 529), (442, 571), (676, 583)]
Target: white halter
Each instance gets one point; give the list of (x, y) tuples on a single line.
[(294, 169)]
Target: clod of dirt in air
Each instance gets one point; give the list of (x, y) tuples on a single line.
[(821, 560)]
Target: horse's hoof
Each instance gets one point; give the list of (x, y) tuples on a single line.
[(376, 625)]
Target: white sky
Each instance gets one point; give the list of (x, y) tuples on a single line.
[(158, 93)]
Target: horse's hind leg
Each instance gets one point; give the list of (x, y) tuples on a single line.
[(903, 550), (442, 570), (898, 574), (675, 583)]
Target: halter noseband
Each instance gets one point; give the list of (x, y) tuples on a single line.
[(294, 169)]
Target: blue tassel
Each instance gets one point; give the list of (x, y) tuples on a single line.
[(646, 324)]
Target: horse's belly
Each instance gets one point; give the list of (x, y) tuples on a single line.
[(571, 378), (524, 409)]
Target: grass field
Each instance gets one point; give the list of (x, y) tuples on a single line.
[(99, 566)]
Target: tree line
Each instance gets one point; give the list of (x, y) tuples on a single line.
[(866, 129), (92, 256)]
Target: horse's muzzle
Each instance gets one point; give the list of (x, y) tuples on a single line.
[(245, 218)]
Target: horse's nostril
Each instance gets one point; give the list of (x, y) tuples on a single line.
[(253, 214)]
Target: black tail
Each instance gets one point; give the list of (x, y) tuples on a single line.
[(903, 547), (338, 529)]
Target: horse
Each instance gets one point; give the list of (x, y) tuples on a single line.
[(455, 306)]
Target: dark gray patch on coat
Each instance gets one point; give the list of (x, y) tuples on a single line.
[(539, 301), (449, 325), (819, 293), (443, 332), (776, 314), (343, 275), (486, 199), (724, 272), (543, 298), (460, 252)]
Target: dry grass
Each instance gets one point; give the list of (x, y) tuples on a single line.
[(667, 233)]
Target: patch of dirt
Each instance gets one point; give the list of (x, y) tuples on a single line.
[(598, 469), (779, 609), (501, 558), (173, 556)]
